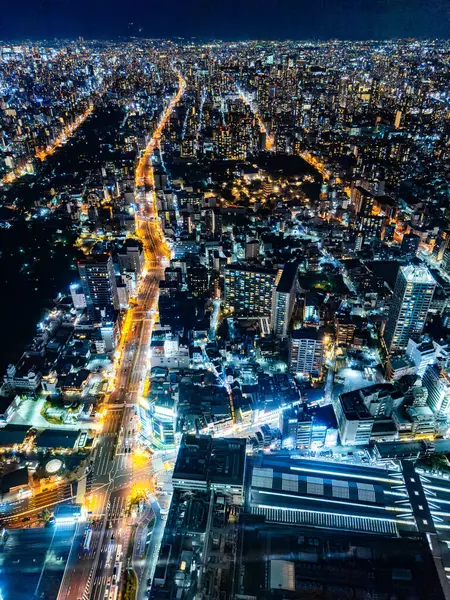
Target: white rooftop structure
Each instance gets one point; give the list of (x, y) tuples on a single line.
[(415, 274)]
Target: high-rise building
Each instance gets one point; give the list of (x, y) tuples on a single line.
[(284, 300), (359, 242), (306, 351), (446, 261), (162, 422), (345, 330), (99, 286), (224, 143), (370, 226), (423, 354), (441, 245), (410, 245), (362, 201), (249, 290), (437, 381), (301, 430), (411, 301), (297, 430), (210, 221)]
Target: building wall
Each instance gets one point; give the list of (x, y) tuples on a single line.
[(409, 308), (249, 293), (306, 356)]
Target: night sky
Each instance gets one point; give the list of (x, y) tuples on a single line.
[(233, 19)]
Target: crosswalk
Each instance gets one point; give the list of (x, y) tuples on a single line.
[(87, 592), (117, 506)]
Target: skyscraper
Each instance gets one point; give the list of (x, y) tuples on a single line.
[(437, 381), (249, 290), (99, 286), (411, 300), (284, 300), (446, 261), (306, 351)]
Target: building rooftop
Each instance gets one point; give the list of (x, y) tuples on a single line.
[(227, 461), (307, 333), (288, 277), (328, 495), (75, 379), (215, 461), (400, 362), (13, 434), (16, 478), (250, 268), (415, 274), (193, 457), (353, 406), (57, 438), (279, 562), (425, 347), (94, 259)]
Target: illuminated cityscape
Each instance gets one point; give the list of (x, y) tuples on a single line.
[(226, 298)]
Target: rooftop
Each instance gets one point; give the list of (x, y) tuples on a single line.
[(353, 406), (193, 457), (16, 478), (250, 268), (323, 564), (328, 495), (13, 434), (307, 333), (57, 438), (415, 274), (94, 259), (211, 460), (287, 279)]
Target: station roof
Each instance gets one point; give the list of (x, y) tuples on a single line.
[(330, 495)]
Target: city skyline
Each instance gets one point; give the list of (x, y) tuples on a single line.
[(226, 316)]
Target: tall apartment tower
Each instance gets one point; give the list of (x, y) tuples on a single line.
[(284, 300), (306, 351), (437, 381), (249, 290), (411, 301), (99, 286)]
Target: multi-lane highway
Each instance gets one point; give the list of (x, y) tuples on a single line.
[(93, 572)]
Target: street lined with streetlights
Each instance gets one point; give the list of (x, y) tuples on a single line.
[(111, 488)]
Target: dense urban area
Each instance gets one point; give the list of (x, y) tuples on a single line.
[(226, 320)]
